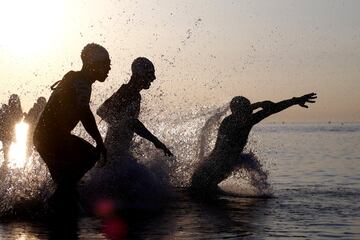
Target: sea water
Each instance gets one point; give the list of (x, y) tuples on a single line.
[(313, 172)]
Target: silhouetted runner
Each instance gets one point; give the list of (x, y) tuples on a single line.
[(67, 156), (124, 177), (10, 115), (121, 110), (232, 138), (32, 117)]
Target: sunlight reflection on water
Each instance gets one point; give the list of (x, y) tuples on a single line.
[(17, 154)]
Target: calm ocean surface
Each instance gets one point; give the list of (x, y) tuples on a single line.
[(314, 173)]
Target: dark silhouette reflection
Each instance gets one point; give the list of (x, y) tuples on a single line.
[(39, 229), (63, 226), (232, 137), (233, 217), (10, 115), (62, 218), (69, 157), (186, 217)]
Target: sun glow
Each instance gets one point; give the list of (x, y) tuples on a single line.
[(18, 149), (30, 27)]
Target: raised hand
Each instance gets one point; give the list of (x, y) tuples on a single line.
[(162, 146), (167, 152), (308, 98)]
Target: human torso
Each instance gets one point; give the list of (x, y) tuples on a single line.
[(122, 108), (61, 113), (232, 138), (34, 113)]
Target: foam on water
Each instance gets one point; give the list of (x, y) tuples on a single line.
[(24, 190)]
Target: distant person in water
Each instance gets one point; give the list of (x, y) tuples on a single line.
[(67, 156), (32, 118), (10, 115), (124, 177), (122, 109), (232, 138)]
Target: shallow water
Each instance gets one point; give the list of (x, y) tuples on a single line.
[(313, 171)]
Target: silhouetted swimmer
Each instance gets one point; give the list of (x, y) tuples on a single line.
[(10, 115), (67, 156), (32, 118), (122, 109), (232, 138), (124, 177)]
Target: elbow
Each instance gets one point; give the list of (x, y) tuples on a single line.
[(100, 112), (132, 124)]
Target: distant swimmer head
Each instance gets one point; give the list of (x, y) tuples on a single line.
[(143, 72), (240, 105), (96, 60), (14, 100), (41, 101)]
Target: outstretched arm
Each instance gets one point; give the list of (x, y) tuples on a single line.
[(139, 128), (263, 105), (280, 106)]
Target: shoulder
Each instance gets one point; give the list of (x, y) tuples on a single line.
[(234, 123), (126, 94), (75, 80), (227, 120), (82, 88), (225, 125), (122, 90), (81, 83), (70, 74)]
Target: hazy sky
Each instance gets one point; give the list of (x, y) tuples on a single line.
[(205, 52)]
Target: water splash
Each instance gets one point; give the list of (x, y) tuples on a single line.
[(24, 180), (190, 136), (24, 189), (251, 179)]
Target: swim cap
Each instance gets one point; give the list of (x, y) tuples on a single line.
[(93, 53), (141, 65), (14, 99), (41, 100), (238, 103)]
